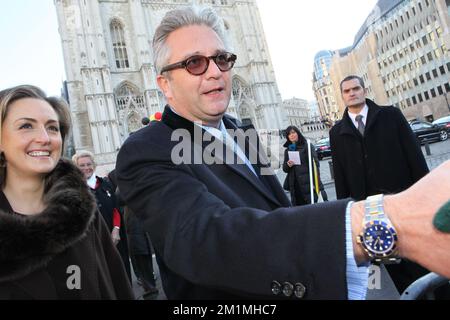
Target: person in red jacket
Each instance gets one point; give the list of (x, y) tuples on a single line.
[(107, 203)]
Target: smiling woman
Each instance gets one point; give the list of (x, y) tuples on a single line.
[(49, 225)]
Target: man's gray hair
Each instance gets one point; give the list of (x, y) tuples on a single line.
[(178, 18)]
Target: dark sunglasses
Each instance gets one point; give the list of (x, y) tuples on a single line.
[(197, 65)]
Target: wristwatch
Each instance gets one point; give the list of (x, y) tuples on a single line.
[(379, 237)]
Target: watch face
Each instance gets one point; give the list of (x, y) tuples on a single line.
[(379, 238)]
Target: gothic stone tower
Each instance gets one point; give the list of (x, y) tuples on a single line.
[(110, 76)]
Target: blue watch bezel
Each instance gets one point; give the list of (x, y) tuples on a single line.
[(370, 250)]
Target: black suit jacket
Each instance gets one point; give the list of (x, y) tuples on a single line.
[(388, 159), (220, 232)]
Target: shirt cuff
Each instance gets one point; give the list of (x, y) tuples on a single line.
[(357, 277)]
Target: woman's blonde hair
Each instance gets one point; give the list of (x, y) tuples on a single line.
[(83, 154)]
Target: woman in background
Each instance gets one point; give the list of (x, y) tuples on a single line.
[(105, 195), (298, 176)]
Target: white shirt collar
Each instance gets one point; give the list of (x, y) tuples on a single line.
[(92, 181), (219, 133), (364, 112)]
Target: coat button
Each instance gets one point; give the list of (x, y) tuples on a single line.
[(276, 288), (299, 290), (288, 289)]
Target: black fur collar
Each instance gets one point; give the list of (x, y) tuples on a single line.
[(28, 243)]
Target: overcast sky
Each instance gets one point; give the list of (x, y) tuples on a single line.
[(295, 30)]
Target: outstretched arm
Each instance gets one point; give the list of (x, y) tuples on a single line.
[(412, 212)]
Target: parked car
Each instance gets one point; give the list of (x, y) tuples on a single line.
[(323, 148), (427, 132), (443, 122)]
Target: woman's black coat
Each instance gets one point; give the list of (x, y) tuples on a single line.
[(298, 175), (40, 254)]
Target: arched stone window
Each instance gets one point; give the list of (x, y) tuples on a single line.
[(244, 99), (241, 91), (119, 45), (130, 107), (126, 94)]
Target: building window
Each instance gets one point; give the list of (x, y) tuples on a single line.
[(420, 97), (428, 76), (440, 90), (414, 100), (119, 45), (435, 74), (127, 95), (424, 40), (421, 79), (448, 66), (418, 44), (422, 58), (433, 93), (427, 96), (431, 36), (418, 63), (447, 87), (442, 70), (429, 56)]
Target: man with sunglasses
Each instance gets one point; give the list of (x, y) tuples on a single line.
[(225, 230)]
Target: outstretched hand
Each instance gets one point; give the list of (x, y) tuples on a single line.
[(412, 212)]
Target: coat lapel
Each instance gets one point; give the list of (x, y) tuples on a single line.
[(347, 126), (259, 162), (372, 114), (177, 122)]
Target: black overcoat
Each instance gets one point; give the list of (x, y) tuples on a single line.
[(387, 159), (221, 232), (298, 176)]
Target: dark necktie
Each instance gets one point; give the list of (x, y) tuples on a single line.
[(361, 126)]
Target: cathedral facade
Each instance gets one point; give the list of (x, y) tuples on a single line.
[(111, 82)]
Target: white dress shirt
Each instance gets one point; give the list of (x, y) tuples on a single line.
[(363, 112)]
